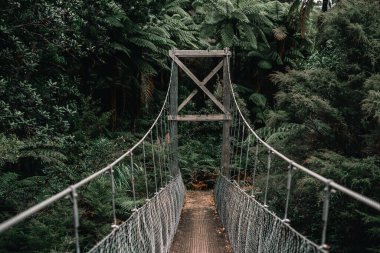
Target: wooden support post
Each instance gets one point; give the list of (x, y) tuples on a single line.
[(225, 163), (174, 169)]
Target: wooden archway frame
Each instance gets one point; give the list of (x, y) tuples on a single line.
[(201, 85)]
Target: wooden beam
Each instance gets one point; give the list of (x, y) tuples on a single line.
[(187, 100), (187, 71), (173, 163), (199, 53), (209, 117), (225, 161), (200, 85), (212, 73)]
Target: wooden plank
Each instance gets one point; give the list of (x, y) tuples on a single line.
[(173, 163), (209, 117), (187, 100), (199, 53), (200, 85), (225, 162)]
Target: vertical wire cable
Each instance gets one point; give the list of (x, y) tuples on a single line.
[(145, 172), (241, 154), (133, 183), (237, 146), (168, 129), (288, 186), (159, 157), (231, 139), (154, 161), (267, 179), (246, 158), (325, 214), (74, 196), (163, 149), (255, 165), (113, 196)]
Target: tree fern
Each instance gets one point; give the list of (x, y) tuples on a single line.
[(147, 88), (143, 43), (274, 135), (227, 35)]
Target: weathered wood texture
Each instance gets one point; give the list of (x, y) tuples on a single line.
[(187, 100), (204, 82), (210, 117), (226, 124), (199, 53), (199, 83), (200, 230), (225, 107), (174, 169)]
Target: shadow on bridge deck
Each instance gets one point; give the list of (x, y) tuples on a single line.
[(200, 230)]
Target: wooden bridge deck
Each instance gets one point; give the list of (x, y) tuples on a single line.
[(200, 230)]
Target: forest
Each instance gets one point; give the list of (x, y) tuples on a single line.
[(82, 80)]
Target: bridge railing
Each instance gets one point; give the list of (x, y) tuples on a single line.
[(155, 138), (330, 185)]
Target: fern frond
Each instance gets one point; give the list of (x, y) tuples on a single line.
[(227, 35), (143, 43), (273, 135), (250, 35), (240, 16), (147, 88)]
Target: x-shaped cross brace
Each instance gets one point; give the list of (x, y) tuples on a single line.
[(201, 84)]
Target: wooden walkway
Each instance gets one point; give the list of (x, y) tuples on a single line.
[(200, 230)]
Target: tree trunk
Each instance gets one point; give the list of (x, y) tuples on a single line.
[(324, 5)]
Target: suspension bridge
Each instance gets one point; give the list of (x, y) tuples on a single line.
[(250, 225)]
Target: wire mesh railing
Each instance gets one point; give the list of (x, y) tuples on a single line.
[(152, 227), (146, 162), (252, 227), (245, 142)]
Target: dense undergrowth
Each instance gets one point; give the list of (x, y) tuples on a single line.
[(80, 81)]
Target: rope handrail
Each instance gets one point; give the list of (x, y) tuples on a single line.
[(329, 182), (69, 190)]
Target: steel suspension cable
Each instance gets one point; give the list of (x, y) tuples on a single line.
[(359, 197), (164, 148), (159, 156), (145, 172), (246, 158), (241, 153), (154, 161), (68, 191), (330, 185), (162, 142), (237, 147), (255, 165)]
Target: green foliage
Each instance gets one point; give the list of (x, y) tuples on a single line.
[(233, 24), (371, 104), (326, 115), (75, 75), (65, 69)]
